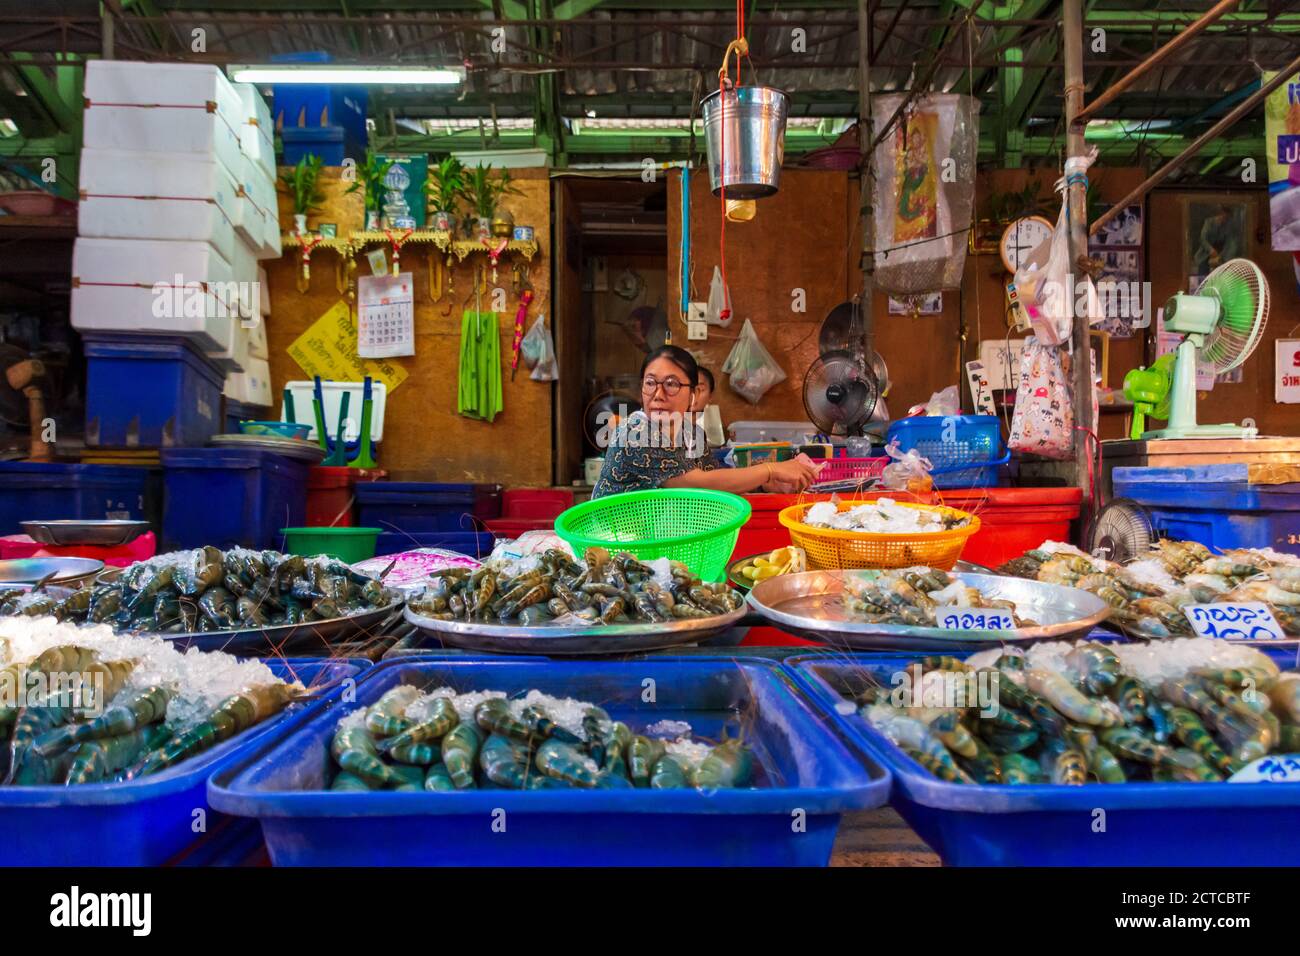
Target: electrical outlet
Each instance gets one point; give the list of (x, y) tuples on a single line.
[(697, 331), (695, 312)]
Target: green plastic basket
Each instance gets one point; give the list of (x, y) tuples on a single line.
[(347, 544), (697, 527)]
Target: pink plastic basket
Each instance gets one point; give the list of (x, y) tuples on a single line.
[(852, 469)]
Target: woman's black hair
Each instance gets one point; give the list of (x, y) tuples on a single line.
[(679, 357), (707, 376)]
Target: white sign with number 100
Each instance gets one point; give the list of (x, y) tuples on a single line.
[(1248, 621)]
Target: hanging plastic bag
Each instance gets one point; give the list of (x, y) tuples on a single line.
[(719, 299), (752, 369), (544, 365), (1043, 420), (908, 471), (942, 403), (532, 344), (1043, 281)]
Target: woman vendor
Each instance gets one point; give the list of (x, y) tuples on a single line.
[(662, 446)]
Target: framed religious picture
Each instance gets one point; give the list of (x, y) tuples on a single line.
[(1216, 228)]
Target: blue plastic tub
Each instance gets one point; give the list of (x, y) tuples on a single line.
[(963, 449), (230, 497), (477, 544), (333, 144), (803, 767), (149, 391), (48, 491), (149, 821), (1215, 505), (417, 506), (1145, 824)]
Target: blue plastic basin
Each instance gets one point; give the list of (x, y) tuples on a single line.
[(149, 821), (1142, 824), (804, 767)]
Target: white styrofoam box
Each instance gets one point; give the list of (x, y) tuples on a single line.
[(258, 220), (154, 285), (256, 132), (127, 195), (257, 347), (264, 301), (243, 266), (162, 108), (251, 386), (236, 357), (303, 392)]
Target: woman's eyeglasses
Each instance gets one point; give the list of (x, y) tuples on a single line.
[(670, 385)]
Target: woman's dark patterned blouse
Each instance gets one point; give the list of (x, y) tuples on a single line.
[(639, 465)]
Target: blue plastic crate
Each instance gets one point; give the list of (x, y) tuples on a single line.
[(1215, 505), (230, 497), (963, 449), (477, 544), (417, 506), (802, 766), (1146, 824), (48, 491), (317, 105), (149, 821), (333, 144), (149, 391)]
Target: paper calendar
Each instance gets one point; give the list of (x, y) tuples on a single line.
[(385, 316)]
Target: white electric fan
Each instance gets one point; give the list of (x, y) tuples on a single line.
[(1222, 323)]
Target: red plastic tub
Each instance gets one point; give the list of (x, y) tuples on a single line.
[(535, 504), (1014, 520), (137, 549), (330, 494)]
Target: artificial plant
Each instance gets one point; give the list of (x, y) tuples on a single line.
[(484, 192), (445, 186), (303, 184), (371, 176)]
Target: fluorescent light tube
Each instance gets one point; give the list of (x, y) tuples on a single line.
[(294, 73)]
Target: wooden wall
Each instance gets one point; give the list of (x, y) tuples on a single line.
[(807, 237), (424, 438)]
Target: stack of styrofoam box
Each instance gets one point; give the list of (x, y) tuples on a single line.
[(177, 206), (252, 386)]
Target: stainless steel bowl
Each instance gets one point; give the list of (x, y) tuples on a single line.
[(811, 605), (70, 572), (70, 533)]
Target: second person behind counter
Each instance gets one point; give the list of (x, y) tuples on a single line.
[(662, 445)]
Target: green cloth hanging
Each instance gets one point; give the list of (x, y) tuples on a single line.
[(479, 388)]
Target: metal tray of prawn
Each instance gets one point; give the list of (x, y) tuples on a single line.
[(560, 641), (309, 636), (810, 605)]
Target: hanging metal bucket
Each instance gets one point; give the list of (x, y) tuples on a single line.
[(755, 140)]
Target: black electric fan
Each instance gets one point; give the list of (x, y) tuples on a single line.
[(1123, 529), (840, 389)]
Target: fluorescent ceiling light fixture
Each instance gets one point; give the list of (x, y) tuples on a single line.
[(296, 73)]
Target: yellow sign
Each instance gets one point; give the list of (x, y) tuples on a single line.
[(329, 349)]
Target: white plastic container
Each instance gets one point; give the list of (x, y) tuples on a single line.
[(154, 285), (303, 392), (258, 220), (748, 433), (162, 108), (184, 196), (256, 132)]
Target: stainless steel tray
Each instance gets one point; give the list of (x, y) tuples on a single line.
[(575, 641), (70, 533), (811, 606), (289, 447), (309, 639), (70, 572)]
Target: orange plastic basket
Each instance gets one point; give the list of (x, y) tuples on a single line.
[(831, 549)]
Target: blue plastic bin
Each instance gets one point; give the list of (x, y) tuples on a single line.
[(149, 391), (1146, 824), (149, 821), (229, 497), (803, 766), (317, 105), (48, 491), (477, 544), (418, 506), (954, 444), (333, 144), (1215, 505)]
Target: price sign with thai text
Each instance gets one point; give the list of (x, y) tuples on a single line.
[(1247, 621), (974, 619), (1275, 768)]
